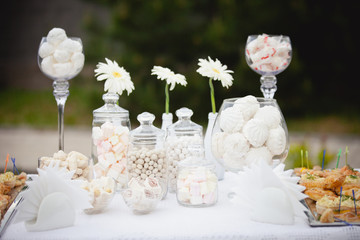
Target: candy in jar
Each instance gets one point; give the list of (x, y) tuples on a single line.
[(183, 139), (146, 156), (110, 139), (197, 183)]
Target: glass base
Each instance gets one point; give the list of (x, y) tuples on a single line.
[(268, 86)]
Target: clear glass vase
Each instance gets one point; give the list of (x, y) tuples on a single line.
[(249, 130), (110, 139), (207, 144)]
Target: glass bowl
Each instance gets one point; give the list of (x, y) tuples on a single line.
[(142, 197), (248, 130), (101, 191)]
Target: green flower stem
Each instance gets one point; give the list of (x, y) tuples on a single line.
[(212, 94), (167, 98)]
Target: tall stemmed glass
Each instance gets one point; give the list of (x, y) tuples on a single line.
[(268, 55), (61, 73)]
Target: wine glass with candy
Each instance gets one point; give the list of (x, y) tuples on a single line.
[(60, 58), (268, 55)]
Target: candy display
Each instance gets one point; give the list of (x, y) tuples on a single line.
[(101, 191), (196, 183), (73, 161), (110, 143), (61, 56), (146, 153), (184, 139), (142, 196), (268, 54), (249, 130)]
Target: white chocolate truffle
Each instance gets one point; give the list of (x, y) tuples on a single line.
[(248, 106), (56, 36), (62, 69), (46, 49), (231, 120), (256, 155), (70, 46), (217, 144), (47, 65), (256, 132), (62, 56), (236, 144), (276, 142), (270, 115)]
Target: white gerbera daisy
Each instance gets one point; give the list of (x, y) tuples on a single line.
[(215, 70), (117, 78), (171, 78)]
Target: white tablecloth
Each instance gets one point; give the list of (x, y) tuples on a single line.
[(172, 221)]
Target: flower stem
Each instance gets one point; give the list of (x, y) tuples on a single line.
[(167, 98), (212, 94)]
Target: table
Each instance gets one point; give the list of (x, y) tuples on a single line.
[(172, 221)]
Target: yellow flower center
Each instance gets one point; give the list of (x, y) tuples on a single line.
[(215, 70), (116, 74)]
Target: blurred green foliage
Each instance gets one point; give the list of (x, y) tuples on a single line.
[(175, 33)]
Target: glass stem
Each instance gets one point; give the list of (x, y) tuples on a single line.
[(61, 92), (268, 86)]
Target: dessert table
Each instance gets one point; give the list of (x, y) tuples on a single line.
[(172, 221)]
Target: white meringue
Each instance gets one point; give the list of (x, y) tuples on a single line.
[(276, 142), (256, 132), (231, 120), (257, 155), (270, 115), (233, 161), (70, 45), (46, 49), (217, 144), (247, 105), (62, 56), (56, 36), (236, 144)]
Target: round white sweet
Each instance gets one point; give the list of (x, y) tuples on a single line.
[(231, 120), (46, 49), (233, 161), (78, 59), (56, 36), (236, 144), (47, 65), (276, 142), (248, 106), (270, 115), (256, 132), (257, 155), (70, 45), (62, 69)]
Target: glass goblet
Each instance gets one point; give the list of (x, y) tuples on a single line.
[(61, 72), (268, 55)]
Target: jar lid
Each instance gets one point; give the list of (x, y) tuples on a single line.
[(146, 133), (111, 108), (184, 126)]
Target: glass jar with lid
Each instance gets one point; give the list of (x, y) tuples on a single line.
[(183, 140), (110, 139), (196, 182), (146, 157)]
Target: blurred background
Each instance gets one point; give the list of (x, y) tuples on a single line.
[(316, 93)]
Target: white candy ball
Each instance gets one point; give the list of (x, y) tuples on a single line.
[(62, 56), (47, 65), (46, 49), (70, 45), (62, 69)]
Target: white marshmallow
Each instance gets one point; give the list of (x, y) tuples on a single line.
[(46, 49), (56, 36)]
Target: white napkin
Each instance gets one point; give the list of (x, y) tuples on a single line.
[(260, 186), (39, 201)]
